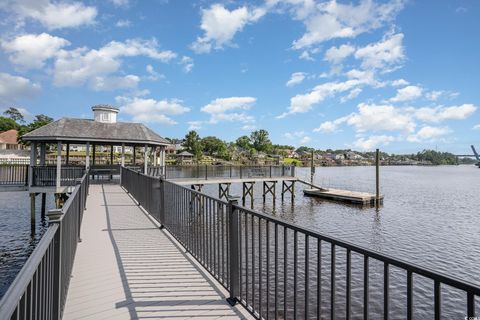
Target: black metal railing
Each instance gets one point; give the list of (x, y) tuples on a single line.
[(39, 291), (46, 176), (225, 171), (276, 269), (13, 174)]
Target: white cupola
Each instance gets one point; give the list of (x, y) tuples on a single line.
[(105, 113)]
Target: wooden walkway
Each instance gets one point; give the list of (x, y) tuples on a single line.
[(126, 268)]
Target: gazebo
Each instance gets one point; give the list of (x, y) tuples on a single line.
[(89, 140)]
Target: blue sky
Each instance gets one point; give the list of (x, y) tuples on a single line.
[(398, 75)]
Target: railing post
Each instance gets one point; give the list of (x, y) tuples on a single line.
[(240, 171), (234, 246), (206, 172), (54, 217), (162, 204)]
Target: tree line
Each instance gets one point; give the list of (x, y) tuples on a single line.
[(13, 119)]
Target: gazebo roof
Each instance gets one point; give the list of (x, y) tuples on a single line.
[(83, 130)]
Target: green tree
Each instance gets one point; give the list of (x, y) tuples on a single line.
[(8, 124), (14, 114), (39, 121), (244, 143), (215, 147), (193, 144), (261, 141)]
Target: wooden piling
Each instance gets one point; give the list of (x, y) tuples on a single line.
[(247, 190), (32, 209), (44, 198)]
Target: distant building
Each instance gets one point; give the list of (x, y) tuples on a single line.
[(175, 146), (185, 157), (8, 140), (10, 149)]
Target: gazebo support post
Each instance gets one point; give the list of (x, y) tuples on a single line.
[(134, 155), (145, 160), (67, 159), (111, 154), (87, 156), (154, 156), (58, 176), (42, 153), (123, 154)]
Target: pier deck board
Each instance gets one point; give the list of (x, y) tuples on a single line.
[(126, 268)]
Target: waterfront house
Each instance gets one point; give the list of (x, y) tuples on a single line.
[(184, 157), (9, 140)]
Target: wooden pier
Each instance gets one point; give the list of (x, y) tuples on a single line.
[(126, 268), (355, 197)]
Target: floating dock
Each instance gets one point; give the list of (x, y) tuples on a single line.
[(361, 198)]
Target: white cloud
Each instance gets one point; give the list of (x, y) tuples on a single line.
[(220, 26), (334, 20), (120, 3), (249, 127), (302, 103), (351, 95), (187, 64), (476, 127), (82, 66), (31, 50), (220, 109), (123, 23), (113, 83), (52, 15), (372, 142), (336, 55), (440, 113), (371, 117), (296, 78), (15, 87), (300, 137), (428, 133), (153, 75), (194, 125), (400, 83), (408, 93), (151, 110), (385, 54)]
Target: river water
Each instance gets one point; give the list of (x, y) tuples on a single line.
[(430, 217), (17, 241)]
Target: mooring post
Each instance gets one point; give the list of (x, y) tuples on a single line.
[(377, 177), (44, 197), (32, 210), (312, 169), (234, 250)]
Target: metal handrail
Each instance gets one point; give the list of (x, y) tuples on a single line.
[(40, 288), (211, 229)]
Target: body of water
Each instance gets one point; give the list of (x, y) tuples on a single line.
[(430, 217), (17, 241)]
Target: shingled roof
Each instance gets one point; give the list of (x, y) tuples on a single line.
[(83, 130)]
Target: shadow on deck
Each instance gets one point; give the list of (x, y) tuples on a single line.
[(126, 268)]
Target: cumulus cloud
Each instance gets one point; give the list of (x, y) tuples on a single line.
[(330, 20), (372, 142), (372, 117), (408, 93), (300, 137), (220, 26), (187, 64), (15, 87), (351, 95), (82, 66), (428, 133), (230, 109), (336, 55), (113, 83), (123, 23), (52, 15), (476, 127), (400, 83), (151, 110), (438, 114), (194, 125), (385, 54), (296, 78), (31, 50), (302, 103)]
